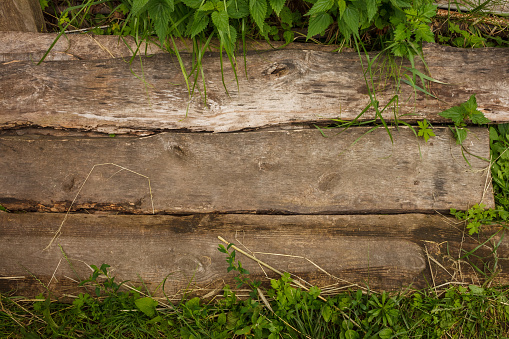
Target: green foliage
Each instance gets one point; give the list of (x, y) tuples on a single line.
[(499, 145), (425, 130), (463, 114), (478, 215)]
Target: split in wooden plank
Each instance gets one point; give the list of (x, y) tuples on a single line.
[(297, 171), (382, 251), (284, 87), (21, 15)]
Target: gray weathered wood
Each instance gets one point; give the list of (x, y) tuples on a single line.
[(297, 171), (21, 15), (284, 87), (26, 46), (382, 251), (494, 7)]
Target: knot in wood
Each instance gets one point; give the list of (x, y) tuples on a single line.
[(277, 69)]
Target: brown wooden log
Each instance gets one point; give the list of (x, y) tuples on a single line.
[(284, 87), (21, 15), (295, 171), (379, 251)]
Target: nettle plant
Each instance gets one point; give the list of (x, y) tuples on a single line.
[(404, 22)]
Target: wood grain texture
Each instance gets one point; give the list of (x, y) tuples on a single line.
[(296, 171), (21, 15), (27, 46), (284, 87), (386, 252)]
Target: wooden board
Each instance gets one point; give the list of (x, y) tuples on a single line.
[(382, 251), (26, 46), (284, 87), (21, 15), (294, 171), (494, 7)]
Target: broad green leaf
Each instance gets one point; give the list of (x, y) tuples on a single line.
[(471, 104), (424, 33), (457, 114), (245, 330), (476, 289), (159, 11), (321, 6), (288, 36), (277, 5), (192, 3), (138, 5), (351, 17), (221, 319), (401, 33), (478, 118), (493, 134), (147, 306), (326, 313), (207, 6), (258, 9), (199, 22), (220, 20), (371, 6), (351, 334), (238, 9), (286, 16), (386, 333), (400, 4), (318, 24), (342, 7)]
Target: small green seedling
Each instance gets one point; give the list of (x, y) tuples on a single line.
[(425, 130)]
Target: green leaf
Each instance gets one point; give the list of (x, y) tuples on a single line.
[(351, 334), (326, 313), (277, 5), (351, 17), (493, 134), (371, 6), (138, 5), (457, 114), (195, 4), (318, 24), (159, 11), (342, 7), (288, 36), (476, 289), (197, 24), (478, 118), (258, 9), (286, 16), (321, 6), (460, 134), (386, 333), (207, 6), (245, 330), (147, 306), (220, 20), (238, 9)]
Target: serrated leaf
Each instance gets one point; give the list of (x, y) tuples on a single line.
[(424, 33), (351, 17), (277, 5), (192, 3), (137, 6), (321, 6), (199, 22), (147, 306), (318, 23), (470, 105), (159, 11), (258, 9), (478, 118), (326, 313), (400, 4), (457, 114), (371, 7), (401, 33), (286, 16), (220, 20), (238, 9)]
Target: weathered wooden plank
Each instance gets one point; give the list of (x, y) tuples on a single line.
[(21, 15), (26, 46), (384, 251), (287, 86), (494, 7), (297, 171)]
